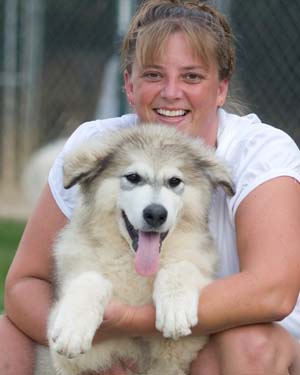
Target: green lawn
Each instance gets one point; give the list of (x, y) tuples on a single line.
[(10, 234)]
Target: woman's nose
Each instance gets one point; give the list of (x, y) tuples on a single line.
[(171, 90)]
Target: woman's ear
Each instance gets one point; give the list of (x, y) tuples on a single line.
[(129, 88), (222, 92)]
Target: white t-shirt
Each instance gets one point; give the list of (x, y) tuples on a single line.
[(253, 151)]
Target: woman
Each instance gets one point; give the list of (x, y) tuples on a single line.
[(178, 60)]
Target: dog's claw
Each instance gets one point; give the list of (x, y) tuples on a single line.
[(72, 345), (68, 337)]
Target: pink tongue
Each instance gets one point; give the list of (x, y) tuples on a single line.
[(147, 255)]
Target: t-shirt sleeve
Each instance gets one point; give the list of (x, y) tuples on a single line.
[(268, 154), (65, 197)]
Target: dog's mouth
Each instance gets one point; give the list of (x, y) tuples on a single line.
[(147, 245)]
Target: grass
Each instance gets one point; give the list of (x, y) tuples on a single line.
[(10, 235)]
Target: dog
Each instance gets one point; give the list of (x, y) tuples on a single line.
[(139, 234)]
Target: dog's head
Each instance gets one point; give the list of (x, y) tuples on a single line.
[(153, 178)]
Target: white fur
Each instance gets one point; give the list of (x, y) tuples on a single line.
[(95, 260)]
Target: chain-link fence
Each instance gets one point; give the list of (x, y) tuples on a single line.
[(268, 51), (59, 67), (53, 58)]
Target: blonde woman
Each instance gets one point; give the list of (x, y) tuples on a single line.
[(178, 60)]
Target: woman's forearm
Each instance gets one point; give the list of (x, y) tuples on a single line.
[(124, 320), (27, 304), (226, 303), (231, 302)]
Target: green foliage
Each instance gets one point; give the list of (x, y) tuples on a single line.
[(10, 235)]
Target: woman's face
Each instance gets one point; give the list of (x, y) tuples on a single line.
[(178, 90)]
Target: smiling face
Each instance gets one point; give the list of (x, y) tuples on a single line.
[(178, 89)]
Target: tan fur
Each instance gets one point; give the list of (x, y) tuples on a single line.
[(95, 261)]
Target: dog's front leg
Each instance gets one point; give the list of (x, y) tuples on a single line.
[(176, 293), (78, 313)]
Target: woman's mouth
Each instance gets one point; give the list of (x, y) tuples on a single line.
[(171, 113)]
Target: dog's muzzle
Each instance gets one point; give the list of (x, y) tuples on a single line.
[(147, 243)]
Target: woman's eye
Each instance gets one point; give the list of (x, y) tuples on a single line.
[(193, 77), (174, 182), (153, 76), (134, 178)]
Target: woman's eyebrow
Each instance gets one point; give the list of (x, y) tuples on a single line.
[(152, 66), (188, 67), (199, 68), (193, 67)]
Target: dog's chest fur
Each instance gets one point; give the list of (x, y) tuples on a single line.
[(128, 286), (113, 259)]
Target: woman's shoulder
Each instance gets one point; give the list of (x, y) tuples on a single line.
[(255, 153), (241, 136)]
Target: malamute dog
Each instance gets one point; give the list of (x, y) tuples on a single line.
[(139, 234)]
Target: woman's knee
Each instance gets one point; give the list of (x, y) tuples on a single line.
[(262, 348), (16, 349), (254, 346)]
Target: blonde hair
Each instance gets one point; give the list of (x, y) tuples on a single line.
[(206, 30)]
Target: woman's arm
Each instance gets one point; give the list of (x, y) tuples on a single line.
[(28, 290), (268, 242), (267, 222), (266, 289)]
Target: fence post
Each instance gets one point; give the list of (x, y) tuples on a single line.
[(32, 57), (8, 172)]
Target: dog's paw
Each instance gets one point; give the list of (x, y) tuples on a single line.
[(176, 292), (76, 317), (71, 334), (176, 314)]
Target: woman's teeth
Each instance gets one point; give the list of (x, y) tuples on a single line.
[(170, 113)]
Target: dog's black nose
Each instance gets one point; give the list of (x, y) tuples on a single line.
[(155, 215)]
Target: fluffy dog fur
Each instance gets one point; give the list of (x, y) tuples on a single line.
[(138, 187)]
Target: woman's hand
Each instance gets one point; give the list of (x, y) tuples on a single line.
[(118, 321), (118, 318), (123, 320)]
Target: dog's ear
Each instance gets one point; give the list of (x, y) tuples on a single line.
[(217, 174), (220, 176), (85, 162)]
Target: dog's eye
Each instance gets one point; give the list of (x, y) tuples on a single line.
[(174, 182), (134, 178)]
